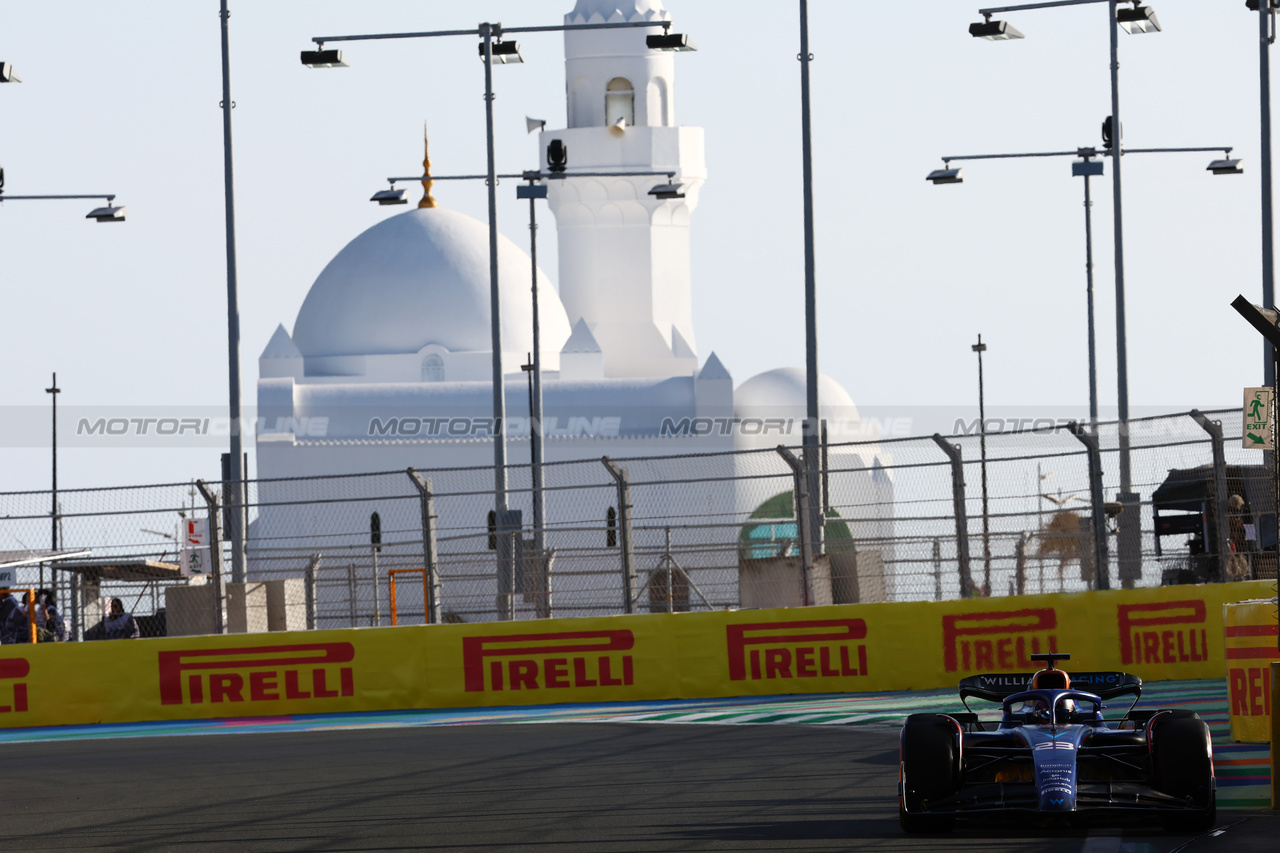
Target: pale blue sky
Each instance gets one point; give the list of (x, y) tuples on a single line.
[(123, 97)]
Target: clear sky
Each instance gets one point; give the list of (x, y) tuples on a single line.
[(123, 98)]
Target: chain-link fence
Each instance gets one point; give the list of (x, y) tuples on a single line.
[(1006, 513)]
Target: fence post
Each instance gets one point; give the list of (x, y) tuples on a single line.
[(215, 552), (426, 502), (801, 485), (624, 531), (962, 519), (1096, 501), (1222, 524), (313, 568)]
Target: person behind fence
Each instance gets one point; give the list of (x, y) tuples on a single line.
[(7, 606), (120, 625), (53, 619), (18, 624)]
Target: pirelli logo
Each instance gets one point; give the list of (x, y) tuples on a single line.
[(997, 639), (548, 661), (1163, 632), (13, 697), (820, 648), (256, 674)]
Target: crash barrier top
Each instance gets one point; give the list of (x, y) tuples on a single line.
[(1161, 633)]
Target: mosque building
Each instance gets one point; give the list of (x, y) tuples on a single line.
[(389, 363)]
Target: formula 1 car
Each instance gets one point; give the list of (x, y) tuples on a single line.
[(1053, 756)]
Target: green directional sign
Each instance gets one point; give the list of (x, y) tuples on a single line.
[(1258, 412)]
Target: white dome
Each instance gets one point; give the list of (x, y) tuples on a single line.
[(781, 394), (421, 278)]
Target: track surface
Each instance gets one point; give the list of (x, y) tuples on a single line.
[(583, 786)]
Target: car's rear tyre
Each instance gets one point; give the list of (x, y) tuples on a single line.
[(1183, 767), (929, 771)]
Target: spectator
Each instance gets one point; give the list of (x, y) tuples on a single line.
[(16, 627), (7, 606), (120, 625), (52, 618)]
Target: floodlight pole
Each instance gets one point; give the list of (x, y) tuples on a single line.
[(1266, 23), (495, 308), (1129, 540), (812, 462), (234, 501), (1088, 268), (535, 390), (53, 391)]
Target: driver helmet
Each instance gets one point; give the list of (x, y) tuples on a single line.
[(1053, 679)]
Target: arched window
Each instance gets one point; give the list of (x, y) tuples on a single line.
[(493, 530), (611, 528), (433, 368), (619, 102)]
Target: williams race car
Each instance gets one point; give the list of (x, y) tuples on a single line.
[(1053, 756)]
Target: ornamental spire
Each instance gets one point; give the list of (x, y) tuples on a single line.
[(427, 200)]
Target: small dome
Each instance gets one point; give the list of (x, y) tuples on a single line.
[(781, 394), (421, 278)]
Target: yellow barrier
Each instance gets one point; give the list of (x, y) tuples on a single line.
[(1164, 633), (1249, 629)]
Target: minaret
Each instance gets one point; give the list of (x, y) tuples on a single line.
[(624, 254)]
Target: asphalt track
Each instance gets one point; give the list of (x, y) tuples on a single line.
[(569, 786)]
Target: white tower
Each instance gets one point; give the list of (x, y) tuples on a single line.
[(624, 254)]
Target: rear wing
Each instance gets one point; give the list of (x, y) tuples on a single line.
[(995, 687)]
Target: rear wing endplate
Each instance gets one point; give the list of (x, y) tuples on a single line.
[(995, 687)]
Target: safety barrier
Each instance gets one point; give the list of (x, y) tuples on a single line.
[(1160, 633), (1249, 631)]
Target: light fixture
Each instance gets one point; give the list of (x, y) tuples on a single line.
[(995, 31), (323, 59), (557, 156), (532, 124), (504, 52), (946, 176), (531, 191), (1226, 166), (1140, 19), (667, 190), (7, 74), (670, 41), (391, 196), (1087, 169), (107, 214)]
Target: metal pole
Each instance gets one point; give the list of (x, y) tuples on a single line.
[(1122, 352), (313, 568), (215, 552), (377, 598), (1266, 16), (1096, 499), (235, 499), (1222, 523), (802, 512), (811, 459), (980, 348), (53, 391), (962, 520), (495, 318), (1129, 540), (535, 400), (624, 531), (429, 555), (1088, 267)]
